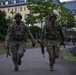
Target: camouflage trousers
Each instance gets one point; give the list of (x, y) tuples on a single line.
[(52, 48), (17, 52)]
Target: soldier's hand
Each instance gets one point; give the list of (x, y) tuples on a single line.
[(63, 44), (40, 41), (33, 44), (6, 47)]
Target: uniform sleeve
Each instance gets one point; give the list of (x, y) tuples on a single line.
[(62, 34), (30, 34), (44, 31), (8, 36)]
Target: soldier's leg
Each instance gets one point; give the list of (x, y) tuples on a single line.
[(15, 61), (52, 62), (51, 57), (14, 50), (21, 52), (19, 58), (56, 51)]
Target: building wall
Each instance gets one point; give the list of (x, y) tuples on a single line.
[(16, 9)]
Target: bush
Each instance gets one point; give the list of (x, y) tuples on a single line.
[(4, 23), (34, 30)]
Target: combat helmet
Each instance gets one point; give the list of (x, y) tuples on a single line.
[(53, 14), (18, 14)]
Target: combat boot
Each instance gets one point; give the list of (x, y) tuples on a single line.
[(51, 69), (16, 69), (56, 56), (19, 61)]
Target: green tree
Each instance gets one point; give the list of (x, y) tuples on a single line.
[(70, 22), (12, 12), (3, 24), (34, 30), (40, 9), (30, 19), (66, 17)]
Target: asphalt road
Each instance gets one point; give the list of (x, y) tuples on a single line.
[(33, 63)]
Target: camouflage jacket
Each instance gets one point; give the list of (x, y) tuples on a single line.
[(18, 33), (53, 32)]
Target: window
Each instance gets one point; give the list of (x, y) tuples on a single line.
[(24, 8), (12, 9), (25, 16), (75, 11), (20, 8), (3, 10), (8, 9), (15, 9)]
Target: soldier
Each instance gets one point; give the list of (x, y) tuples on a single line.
[(73, 41), (53, 37), (16, 38)]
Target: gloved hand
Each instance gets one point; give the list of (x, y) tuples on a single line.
[(40, 41), (34, 43), (6, 47), (63, 43)]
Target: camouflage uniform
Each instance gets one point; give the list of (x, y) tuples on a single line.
[(52, 36), (16, 38)]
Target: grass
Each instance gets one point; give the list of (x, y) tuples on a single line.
[(67, 55), (2, 50), (28, 45)]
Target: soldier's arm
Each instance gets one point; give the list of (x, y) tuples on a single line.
[(43, 33), (30, 35), (61, 33), (8, 36)]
